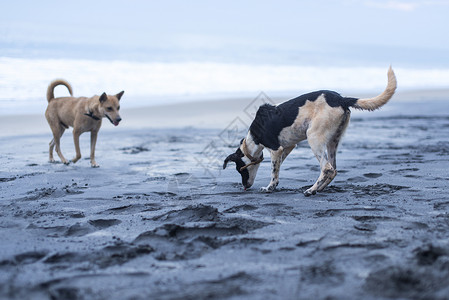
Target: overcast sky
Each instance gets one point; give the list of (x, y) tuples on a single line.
[(350, 31)]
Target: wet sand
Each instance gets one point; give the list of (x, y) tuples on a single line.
[(160, 219)]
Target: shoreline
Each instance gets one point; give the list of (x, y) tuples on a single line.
[(219, 113)]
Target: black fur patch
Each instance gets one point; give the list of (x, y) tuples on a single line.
[(270, 120), (239, 163)]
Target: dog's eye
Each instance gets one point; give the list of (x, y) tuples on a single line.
[(109, 108)]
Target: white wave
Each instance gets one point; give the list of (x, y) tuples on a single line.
[(148, 83)]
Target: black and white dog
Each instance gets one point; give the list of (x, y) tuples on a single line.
[(320, 117)]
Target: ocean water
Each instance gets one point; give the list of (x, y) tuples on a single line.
[(177, 51), (24, 81)]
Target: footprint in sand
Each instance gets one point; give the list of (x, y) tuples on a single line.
[(182, 239), (372, 175)]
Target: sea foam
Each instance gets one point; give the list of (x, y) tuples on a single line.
[(23, 82)]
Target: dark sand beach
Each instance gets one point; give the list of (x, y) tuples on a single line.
[(160, 219)]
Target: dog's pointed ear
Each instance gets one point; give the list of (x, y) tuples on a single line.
[(231, 157), (119, 95), (103, 97)]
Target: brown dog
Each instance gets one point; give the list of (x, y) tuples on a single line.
[(83, 114)]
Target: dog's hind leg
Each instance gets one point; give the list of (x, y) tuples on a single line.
[(331, 168), (332, 146), (328, 172), (93, 141), (57, 133), (324, 134), (276, 160), (333, 143)]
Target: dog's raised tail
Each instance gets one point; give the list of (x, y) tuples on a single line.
[(55, 83), (380, 100)]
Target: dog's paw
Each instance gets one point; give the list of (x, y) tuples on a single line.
[(309, 192), (75, 159), (52, 161), (267, 189), (66, 162), (95, 165)]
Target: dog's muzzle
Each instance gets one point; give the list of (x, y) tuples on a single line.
[(115, 122)]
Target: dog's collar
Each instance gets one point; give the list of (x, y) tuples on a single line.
[(254, 161), (91, 114)]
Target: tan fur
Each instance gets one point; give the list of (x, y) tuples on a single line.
[(55, 83), (323, 126), (378, 101), (319, 123), (83, 114), (312, 117)]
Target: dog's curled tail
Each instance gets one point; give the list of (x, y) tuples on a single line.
[(380, 100), (55, 83)]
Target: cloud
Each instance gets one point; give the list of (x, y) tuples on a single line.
[(405, 6)]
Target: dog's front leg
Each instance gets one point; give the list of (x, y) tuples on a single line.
[(276, 159), (50, 151), (76, 140), (286, 153), (93, 142)]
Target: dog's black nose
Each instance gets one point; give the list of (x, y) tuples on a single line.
[(116, 121)]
